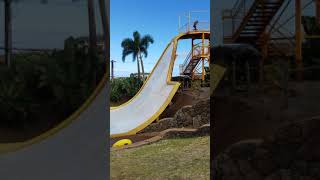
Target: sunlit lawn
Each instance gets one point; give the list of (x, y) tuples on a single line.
[(187, 158)]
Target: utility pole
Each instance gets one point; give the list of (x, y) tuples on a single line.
[(112, 69), (8, 32), (298, 40)]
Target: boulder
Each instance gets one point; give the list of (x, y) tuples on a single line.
[(292, 152)]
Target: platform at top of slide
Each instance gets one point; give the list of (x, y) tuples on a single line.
[(153, 97)]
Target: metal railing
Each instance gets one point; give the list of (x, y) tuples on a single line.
[(186, 62), (232, 18), (196, 48), (186, 23), (201, 26)]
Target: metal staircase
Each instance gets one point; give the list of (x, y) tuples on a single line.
[(250, 19), (198, 54)]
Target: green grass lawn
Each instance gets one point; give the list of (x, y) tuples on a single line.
[(187, 158)]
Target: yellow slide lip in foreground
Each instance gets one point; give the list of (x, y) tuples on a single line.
[(169, 82)]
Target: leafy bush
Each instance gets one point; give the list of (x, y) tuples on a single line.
[(62, 79), (124, 88)]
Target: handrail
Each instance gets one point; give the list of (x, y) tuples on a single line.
[(237, 14), (202, 25), (197, 47), (186, 61)]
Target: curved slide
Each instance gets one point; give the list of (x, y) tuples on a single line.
[(72, 150), (149, 102), (153, 97)]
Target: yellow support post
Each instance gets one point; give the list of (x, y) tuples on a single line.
[(298, 39), (202, 50), (202, 56)]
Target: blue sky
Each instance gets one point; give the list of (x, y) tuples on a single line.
[(157, 18)]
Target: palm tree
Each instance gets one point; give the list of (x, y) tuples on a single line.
[(136, 46)]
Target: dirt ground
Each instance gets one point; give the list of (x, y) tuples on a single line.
[(239, 117)]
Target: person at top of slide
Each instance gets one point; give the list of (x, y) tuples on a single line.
[(195, 25)]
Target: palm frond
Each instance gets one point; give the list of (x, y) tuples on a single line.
[(125, 53), (144, 51), (127, 43), (133, 46), (146, 41), (127, 48)]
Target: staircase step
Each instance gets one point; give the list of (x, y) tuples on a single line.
[(257, 19)]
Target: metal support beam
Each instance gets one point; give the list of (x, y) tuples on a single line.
[(203, 71), (202, 55), (112, 69)]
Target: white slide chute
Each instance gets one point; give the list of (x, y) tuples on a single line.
[(149, 102)]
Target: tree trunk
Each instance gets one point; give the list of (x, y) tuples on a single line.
[(138, 68), (92, 39), (8, 33), (142, 67), (318, 12)]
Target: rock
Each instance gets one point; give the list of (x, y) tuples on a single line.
[(203, 130), (183, 117), (196, 121), (161, 125), (226, 168), (263, 161), (289, 134), (291, 153), (188, 116), (244, 149), (193, 116)]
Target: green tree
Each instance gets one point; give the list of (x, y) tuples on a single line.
[(136, 46)]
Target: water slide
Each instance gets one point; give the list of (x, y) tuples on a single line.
[(152, 98), (72, 150)]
